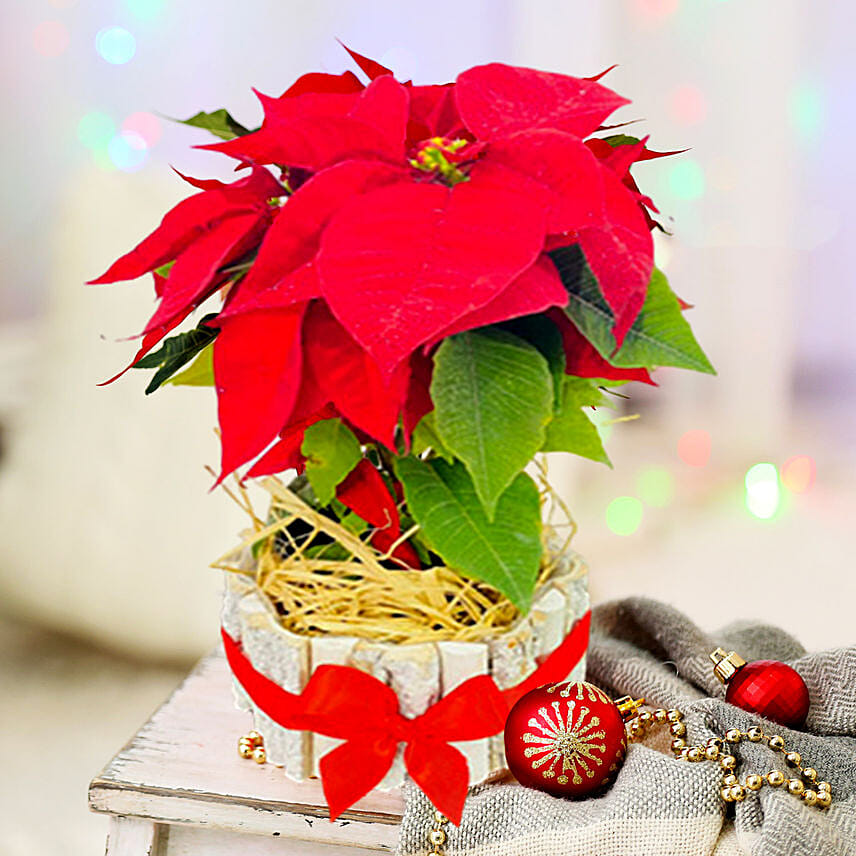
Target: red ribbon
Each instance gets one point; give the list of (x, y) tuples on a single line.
[(351, 705)]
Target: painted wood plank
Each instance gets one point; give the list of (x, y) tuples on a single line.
[(132, 836), (192, 841), (183, 767)]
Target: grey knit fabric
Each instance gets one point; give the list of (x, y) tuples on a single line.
[(659, 805)]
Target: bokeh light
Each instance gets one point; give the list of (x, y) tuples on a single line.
[(623, 515), (762, 490), (688, 105), (694, 448), (655, 486), (128, 151), (115, 45), (805, 110), (656, 8), (145, 125), (145, 10), (50, 38), (686, 179), (95, 129), (798, 473)]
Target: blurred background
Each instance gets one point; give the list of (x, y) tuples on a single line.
[(732, 497)]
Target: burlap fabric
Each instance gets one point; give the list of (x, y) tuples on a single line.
[(659, 805)]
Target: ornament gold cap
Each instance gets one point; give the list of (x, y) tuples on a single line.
[(726, 664), (628, 706)]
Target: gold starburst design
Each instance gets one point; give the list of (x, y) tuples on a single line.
[(565, 741)]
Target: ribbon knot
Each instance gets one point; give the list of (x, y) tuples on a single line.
[(357, 708)]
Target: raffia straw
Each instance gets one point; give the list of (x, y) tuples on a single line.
[(358, 595)]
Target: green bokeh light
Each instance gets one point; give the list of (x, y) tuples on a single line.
[(656, 487), (686, 180), (95, 130), (145, 10), (624, 514), (805, 110)]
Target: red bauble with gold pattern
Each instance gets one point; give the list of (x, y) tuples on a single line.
[(565, 739)]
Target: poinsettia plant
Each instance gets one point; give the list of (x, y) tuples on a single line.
[(415, 289)]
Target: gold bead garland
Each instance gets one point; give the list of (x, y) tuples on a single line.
[(252, 745), (805, 788), (818, 793)]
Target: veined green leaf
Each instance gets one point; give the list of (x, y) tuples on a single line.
[(660, 336), (543, 334), (219, 122), (425, 437), (493, 396), (199, 373), (571, 429), (331, 451), (177, 351), (505, 552)]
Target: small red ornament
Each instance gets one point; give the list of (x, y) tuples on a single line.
[(770, 688), (565, 739)]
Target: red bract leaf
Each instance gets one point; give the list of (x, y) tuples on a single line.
[(191, 219), (496, 100), (316, 131), (191, 276), (620, 254), (418, 402), (257, 373), (603, 73), (535, 290), (404, 553), (565, 176), (370, 67), (293, 238), (348, 377), (150, 340), (433, 113), (319, 82), (182, 225), (285, 454), (582, 358), (253, 189), (400, 264), (365, 492)]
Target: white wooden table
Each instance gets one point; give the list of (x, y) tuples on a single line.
[(179, 788)]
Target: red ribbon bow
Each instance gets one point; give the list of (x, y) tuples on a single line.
[(346, 703)]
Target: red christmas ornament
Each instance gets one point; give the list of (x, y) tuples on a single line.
[(770, 688), (565, 739)]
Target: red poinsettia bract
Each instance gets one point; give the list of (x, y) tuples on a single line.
[(413, 212)]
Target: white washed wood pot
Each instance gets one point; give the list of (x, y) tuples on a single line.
[(419, 673)]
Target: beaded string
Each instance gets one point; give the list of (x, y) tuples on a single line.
[(804, 785)]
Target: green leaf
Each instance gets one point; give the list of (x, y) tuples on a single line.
[(220, 123), (164, 269), (199, 373), (505, 553), (331, 451), (541, 332), (571, 429), (493, 396), (621, 140), (177, 351), (425, 438), (660, 336)]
